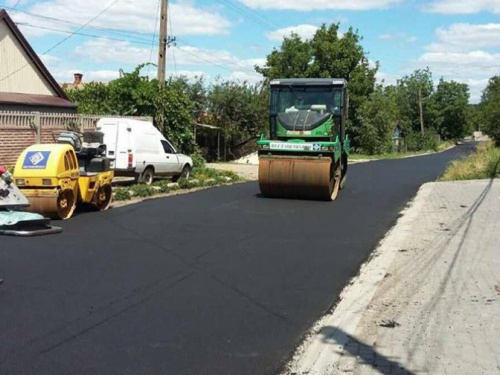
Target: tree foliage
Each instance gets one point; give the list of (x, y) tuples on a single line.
[(379, 116), (450, 101), (240, 110), (490, 108), (134, 94), (412, 89)]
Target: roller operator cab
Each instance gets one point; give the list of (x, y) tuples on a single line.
[(306, 155)]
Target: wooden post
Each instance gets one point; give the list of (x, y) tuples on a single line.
[(162, 49), (421, 110), (38, 128)]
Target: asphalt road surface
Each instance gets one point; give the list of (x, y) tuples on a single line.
[(220, 281)]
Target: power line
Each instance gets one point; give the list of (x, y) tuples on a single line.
[(256, 17), (154, 34), (229, 62), (82, 34), (63, 40), (206, 60), (172, 32), (113, 31)]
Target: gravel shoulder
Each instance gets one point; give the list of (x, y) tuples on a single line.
[(428, 299)]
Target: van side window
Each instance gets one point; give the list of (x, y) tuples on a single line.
[(167, 147)]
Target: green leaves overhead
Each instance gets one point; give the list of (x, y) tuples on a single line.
[(490, 108)]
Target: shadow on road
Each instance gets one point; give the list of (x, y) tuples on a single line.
[(367, 354)]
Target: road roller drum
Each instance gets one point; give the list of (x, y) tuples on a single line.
[(287, 177)]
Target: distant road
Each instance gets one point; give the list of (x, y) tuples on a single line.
[(217, 282)]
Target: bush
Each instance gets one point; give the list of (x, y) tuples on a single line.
[(121, 194), (421, 142), (485, 163), (141, 190), (198, 160)]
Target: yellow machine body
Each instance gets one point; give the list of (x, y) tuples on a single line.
[(49, 176)]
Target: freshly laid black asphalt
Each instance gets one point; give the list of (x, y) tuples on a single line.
[(220, 281)]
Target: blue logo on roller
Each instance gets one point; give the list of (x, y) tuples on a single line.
[(316, 147), (36, 160)]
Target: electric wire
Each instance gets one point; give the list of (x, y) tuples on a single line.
[(222, 63), (154, 34), (62, 40), (172, 32), (130, 34)]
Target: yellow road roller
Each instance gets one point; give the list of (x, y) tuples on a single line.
[(56, 177)]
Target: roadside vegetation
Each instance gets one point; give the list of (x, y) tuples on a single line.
[(399, 155), (420, 109), (200, 177), (485, 163)]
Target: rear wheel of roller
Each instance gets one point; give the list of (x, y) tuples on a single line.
[(103, 197)]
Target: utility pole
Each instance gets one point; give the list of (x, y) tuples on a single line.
[(162, 49), (421, 110)]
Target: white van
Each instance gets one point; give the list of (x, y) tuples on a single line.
[(137, 148)]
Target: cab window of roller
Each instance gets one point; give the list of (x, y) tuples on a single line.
[(67, 162), (303, 98)]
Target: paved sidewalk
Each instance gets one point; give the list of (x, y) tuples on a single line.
[(428, 301)]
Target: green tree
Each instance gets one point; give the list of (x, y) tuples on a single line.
[(451, 100), (92, 99), (239, 109), (134, 94), (414, 90), (173, 116), (293, 59), (378, 116), (490, 108)]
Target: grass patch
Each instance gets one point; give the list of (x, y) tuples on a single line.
[(399, 155), (200, 177), (485, 163), (395, 155), (203, 174)]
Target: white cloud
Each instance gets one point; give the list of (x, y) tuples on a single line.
[(469, 64), (473, 68), (387, 78), (319, 4), (130, 15), (465, 53), (304, 31), (465, 6), (466, 37), (251, 78), (398, 36), (105, 51)]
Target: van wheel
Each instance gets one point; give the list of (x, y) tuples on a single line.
[(186, 171), (147, 176)]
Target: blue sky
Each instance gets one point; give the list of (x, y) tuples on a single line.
[(456, 39)]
